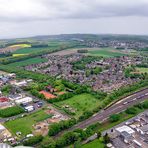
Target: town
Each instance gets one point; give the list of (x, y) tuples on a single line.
[(101, 74)]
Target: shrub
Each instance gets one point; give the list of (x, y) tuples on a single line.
[(114, 118), (131, 110), (11, 111), (33, 140)]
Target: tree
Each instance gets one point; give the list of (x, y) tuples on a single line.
[(98, 134), (77, 144), (33, 140), (48, 143), (131, 110), (114, 118), (106, 138)]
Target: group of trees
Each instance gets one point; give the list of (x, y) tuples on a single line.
[(6, 89), (33, 140), (11, 111), (57, 127), (92, 71), (134, 110), (126, 90), (80, 65), (74, 136), (114, 118)]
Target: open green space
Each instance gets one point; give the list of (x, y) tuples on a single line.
[(106, 52), (25, 124), (29, 50), (28, 61), (80, 103), (142, 70), (94, 144)]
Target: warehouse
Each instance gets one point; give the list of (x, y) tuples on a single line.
[(24, 100)]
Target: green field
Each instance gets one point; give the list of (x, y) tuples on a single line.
[(29, 50), (28, 62), (142, 70), (94, 144), (106, 52), (24, 125), (81, 103)]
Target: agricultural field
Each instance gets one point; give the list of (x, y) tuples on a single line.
[(106, 52), (28, 62), (29, 120), (21, 45), (29, 50), (80, 103), (94, 144), (52, 45)]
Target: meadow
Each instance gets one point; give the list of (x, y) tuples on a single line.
[(28, 62), (106, 52), (80, 103), (142, 70), (29, 50), (94, 144), (24, 125)]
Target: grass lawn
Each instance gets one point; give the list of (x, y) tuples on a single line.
[(81, 103), (94, 144), (24, 125), (28, 62), (142, 70), (106, 52)]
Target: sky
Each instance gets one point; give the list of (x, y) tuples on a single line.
[(23, 18)]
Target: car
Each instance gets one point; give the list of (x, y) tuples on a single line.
[(40, 104), (29, 135), (125, 103)]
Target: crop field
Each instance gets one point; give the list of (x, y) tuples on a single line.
[(24, 124), (18, 55), (80, 103), (28, 62), (29, 50), (21, 45), (106, 52), (53, 45)]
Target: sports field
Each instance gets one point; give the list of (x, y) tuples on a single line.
[(80, 103), (28, 62), (24, 125)]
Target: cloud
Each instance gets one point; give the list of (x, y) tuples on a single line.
[(30, 10)]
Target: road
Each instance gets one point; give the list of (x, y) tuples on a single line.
[(116, 108)]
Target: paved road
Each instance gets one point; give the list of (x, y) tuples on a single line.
[(116, 108)]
